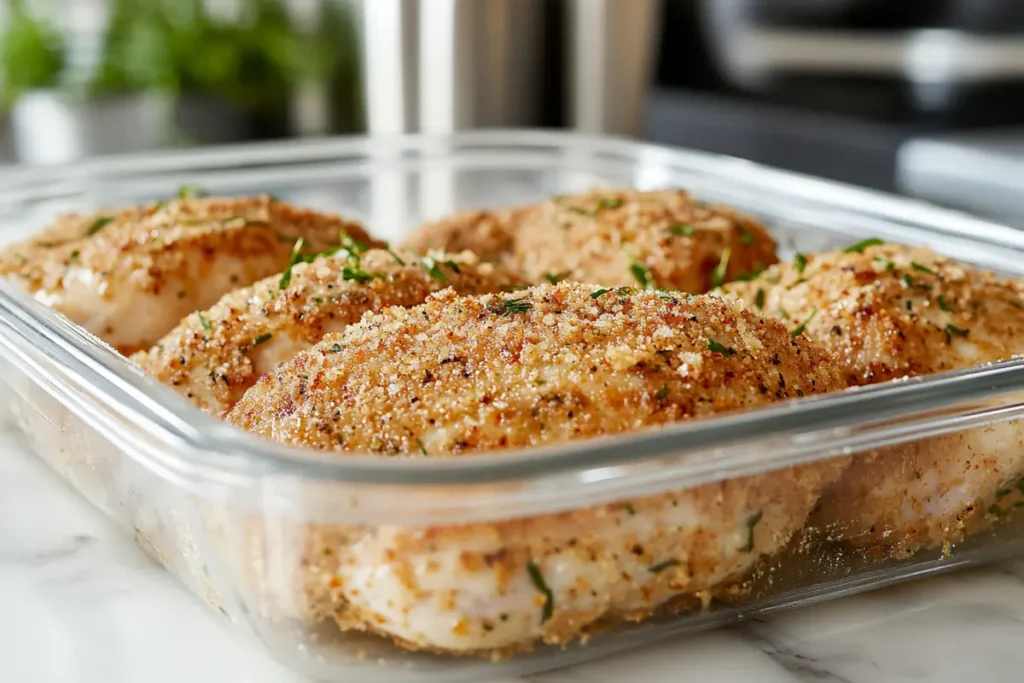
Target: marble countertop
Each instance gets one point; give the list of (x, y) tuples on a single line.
[(79, 603)]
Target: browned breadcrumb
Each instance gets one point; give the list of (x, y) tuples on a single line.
[(617, 237), (130, 275), (488, 234), (888, 312), (213, 356), (461, 376)]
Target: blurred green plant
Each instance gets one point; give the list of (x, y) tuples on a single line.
[(32, 54), (176, 47)]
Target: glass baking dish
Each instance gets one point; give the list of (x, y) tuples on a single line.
[(252, 527)]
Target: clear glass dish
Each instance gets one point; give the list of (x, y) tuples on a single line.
[(247, 524)]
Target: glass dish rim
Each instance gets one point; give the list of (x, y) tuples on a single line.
[(207, 448)]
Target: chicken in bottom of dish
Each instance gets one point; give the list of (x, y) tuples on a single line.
[(213, 356), (890, 311), (128, 276), (465, 376)]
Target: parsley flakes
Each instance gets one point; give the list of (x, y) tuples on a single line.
[(642, 274), (510, 307), (263, 338), (952, 330), (751, 523), (715, 347), (537, 579), (99, 224), (296, 256), (943, 304), (597, 294), (799, 263), (662, 566), (862, 245), (759, 299), (682, 229), (921, 269), (555, 278), (204, 322), (433, 267), (718, 275), (803, 326)]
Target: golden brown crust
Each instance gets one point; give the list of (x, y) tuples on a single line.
[(528, 368), (683, 243), (891, 311), (461, 376), (129, 275), (213, 356), (488, 234)]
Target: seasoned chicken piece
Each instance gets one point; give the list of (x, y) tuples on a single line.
[(663, 239), (213, 356), (489, 234), (464, 376), (129, 276), (890, 311)]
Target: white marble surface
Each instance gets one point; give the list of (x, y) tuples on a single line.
[(80, 604)]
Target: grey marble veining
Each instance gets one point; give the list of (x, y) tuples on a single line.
[(79, 603)]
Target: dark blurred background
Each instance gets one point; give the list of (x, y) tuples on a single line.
[(924, 97)]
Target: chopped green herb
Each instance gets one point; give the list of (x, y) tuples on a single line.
[(630, 510), (598, 293), (662, 393), (203, 322), (715, 347), (423, 448), (273, 198), (99, 224), (862, 245), (908, 304), (662, 566), (555, 278), (907, 281), (191, 191), (642, 274), (396, 256), (943, 304), (889, 265), (296, 256), (952, 329), (799, 263), (509, 307), (355, 272), (612, 203), (74, 256), (537, 579), (265, 337), (746, 237), (682, 229), (759, 299), (782, 313), (625, 291), (718, 275), (352, 246), (803, 326), (334, 348), (317, 299), (921, 269), (751, 523), (431, 266)]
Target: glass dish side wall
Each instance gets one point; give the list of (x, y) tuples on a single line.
[(272, 564)]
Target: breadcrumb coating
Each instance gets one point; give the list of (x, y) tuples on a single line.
[(129, 275), (890, 311), (464, 376), (213, 356)]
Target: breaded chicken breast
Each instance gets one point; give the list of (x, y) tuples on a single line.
[(890, 311), (464, 376), (129, 276), (213, 356), (663, 239), (488, 234)]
